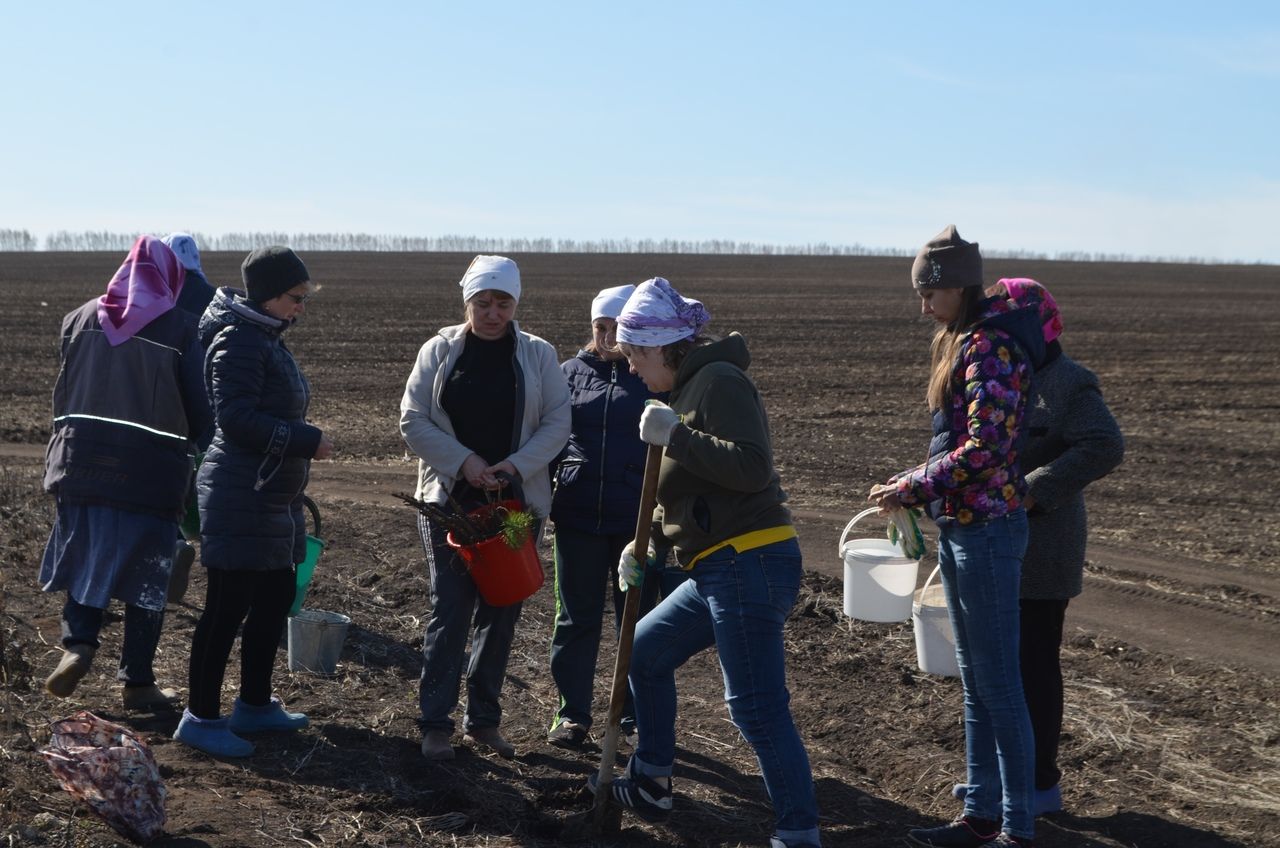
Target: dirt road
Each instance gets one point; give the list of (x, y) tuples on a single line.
[(1176, 606)]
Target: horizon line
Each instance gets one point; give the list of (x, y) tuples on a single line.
[(88, 241)]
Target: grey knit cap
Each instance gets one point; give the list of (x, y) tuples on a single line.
[(947, 262)]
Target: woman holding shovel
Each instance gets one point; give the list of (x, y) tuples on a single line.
[(720, 506), (486, 403), (979, 393)]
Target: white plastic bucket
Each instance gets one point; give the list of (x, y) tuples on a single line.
[(879, 580), (315, 640), (935, 640)]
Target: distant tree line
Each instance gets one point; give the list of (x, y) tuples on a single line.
[(68, 240)]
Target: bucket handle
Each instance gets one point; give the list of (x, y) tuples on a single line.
[(849, 526), (927, 582), (315, 513)]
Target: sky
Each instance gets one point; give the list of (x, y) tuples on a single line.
[(1139, 128)]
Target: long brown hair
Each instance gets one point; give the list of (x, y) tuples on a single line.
[(946, 346)]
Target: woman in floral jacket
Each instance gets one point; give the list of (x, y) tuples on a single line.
[(979, 392)]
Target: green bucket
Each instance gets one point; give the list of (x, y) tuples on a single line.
[(190, 524), (307, 568)]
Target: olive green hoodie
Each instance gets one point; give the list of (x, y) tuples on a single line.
[(717, 479)]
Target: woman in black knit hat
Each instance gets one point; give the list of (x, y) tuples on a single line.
[(984, 354), (252, 530)]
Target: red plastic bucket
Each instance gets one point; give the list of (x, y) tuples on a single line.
[(504, 575)]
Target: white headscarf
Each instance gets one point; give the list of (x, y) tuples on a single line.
[(490, 272), (657, 315), (184, 246), (609, 303)]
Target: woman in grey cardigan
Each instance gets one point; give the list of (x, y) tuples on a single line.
[(1072, 441)]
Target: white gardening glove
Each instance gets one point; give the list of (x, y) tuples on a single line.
[(630, 571), (657, 423)]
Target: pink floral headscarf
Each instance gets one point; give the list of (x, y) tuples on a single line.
[(1027, 292), (145, 287)]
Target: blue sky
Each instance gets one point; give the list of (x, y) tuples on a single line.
[(1139, 128)]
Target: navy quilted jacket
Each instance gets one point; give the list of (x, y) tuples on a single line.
[(251, 482), (602, 494)]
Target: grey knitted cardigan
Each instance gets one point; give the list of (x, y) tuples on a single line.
[(1072, 441)]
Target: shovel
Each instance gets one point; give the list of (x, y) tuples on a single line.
[(630, 612)]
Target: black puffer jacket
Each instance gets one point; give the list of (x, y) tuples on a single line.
[(250, 484)]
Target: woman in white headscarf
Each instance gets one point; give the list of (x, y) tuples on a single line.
[(596, 500), (486, 403), (720, 506), (197, 292)]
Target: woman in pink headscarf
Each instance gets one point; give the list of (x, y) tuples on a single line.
[(128, 403), (1072, 440)]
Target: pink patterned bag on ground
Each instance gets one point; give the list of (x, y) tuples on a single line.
[(112, 771)]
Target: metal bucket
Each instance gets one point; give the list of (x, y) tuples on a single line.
[(315, 641)]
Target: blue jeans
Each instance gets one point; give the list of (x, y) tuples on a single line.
[(738, 603), (586, 572), (456, 606), (981, 566)]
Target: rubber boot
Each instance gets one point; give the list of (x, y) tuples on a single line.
[(211, 735), (490, 737), (71, 669), (436, 745), (148, 699), (184, 554), (246, 718)]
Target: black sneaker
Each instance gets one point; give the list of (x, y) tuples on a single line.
[(964, 832), (568, 734), (641, 794), (1008, 841)]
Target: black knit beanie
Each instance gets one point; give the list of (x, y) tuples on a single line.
[(269, 272), (947, 262)]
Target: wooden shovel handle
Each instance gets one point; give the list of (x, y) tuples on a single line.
[(630, 612)]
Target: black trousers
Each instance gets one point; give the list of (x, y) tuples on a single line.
[(1041, 644), (258, 599)]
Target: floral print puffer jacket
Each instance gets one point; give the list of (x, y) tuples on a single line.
[(972, 474)]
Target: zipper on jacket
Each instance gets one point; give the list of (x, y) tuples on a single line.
[(604, 443)]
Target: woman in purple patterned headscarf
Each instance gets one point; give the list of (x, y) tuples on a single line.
[(720, 507), (128, 404)]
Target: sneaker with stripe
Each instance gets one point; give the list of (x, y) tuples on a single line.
[(646, 796)]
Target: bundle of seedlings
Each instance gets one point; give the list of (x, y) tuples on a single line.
[(496, 518)]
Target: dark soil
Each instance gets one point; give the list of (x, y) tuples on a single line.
[(1160, 749)]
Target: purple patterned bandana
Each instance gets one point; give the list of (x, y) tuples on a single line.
[(145, 287), (657, 315)]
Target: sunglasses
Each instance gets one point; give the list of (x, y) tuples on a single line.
[(298, 298)]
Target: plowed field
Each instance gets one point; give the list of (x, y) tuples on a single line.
[(1172, 733)]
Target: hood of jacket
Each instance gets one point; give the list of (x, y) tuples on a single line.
[(732, 349), (1021, 323), (230, 307)]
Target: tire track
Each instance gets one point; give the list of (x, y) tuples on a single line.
[(1218, 613)]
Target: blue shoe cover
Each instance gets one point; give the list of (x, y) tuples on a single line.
[(246, 718), (211, 735), (1047, 801)]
